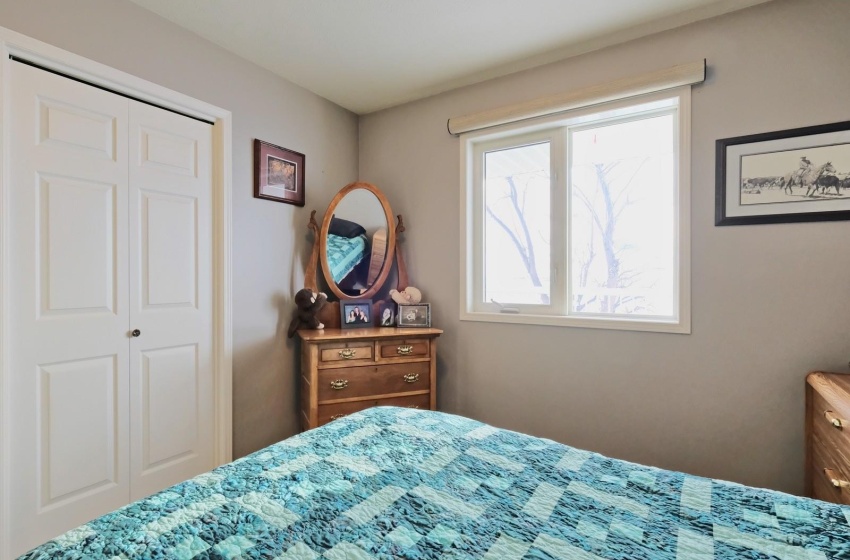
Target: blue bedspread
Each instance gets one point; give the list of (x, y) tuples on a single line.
[(399, 483), (344, 254)]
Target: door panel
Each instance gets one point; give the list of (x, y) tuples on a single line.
[(69, 349), (78, 128), (168, 151), (78, 413), (77, 250), (170, 405), (169, 239), (170, 224)]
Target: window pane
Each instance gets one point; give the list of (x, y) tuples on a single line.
[(623, 210), (516, 225)]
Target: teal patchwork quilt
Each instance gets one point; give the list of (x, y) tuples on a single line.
[(400, 483), (344, 254)]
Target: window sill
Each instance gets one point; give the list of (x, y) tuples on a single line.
[(642, 325)]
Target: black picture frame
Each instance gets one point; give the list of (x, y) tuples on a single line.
[(350, 311), (738, 196), (279, 174), (414, 315), (386, 307)]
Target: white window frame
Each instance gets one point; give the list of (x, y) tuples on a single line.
[(555, 129)]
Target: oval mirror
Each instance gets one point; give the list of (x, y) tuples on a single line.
[(357, 241)]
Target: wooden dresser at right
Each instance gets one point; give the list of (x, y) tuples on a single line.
[(828, 437)]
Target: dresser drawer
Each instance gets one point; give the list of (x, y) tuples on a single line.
[(830, 480), (822, 489), (338, 353), (329, 412), (829, 423), (409, 348), (361, 381)]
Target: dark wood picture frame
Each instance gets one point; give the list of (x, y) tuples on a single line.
[(812, 144), (284, 167), (346, 306), (420, 308)]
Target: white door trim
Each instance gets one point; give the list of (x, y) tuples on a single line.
[(13, 43)]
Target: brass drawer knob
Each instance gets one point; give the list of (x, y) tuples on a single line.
[(833, 419), (404, 350), (835, 481), (411, 377), (347, 353), (339, 384), (337, 416)]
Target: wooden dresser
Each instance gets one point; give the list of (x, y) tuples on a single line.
[(828, 437), (348, 370)]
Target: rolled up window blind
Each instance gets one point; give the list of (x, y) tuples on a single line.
[(681, 75)]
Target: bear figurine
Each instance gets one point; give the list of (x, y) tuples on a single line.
[(408, 296), (308, 304)]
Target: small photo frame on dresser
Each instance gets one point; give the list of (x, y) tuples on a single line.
[(386, 317), (355, 313), (415, 315)]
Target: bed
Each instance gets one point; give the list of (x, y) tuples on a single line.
[(401, 483)]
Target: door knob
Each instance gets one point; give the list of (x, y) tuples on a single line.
[(136, 333)]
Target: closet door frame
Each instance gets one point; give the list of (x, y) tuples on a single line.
[(43, 54)]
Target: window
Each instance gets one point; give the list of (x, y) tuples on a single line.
[(581, 219)]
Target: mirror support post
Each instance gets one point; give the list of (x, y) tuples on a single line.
[(402, 269), (310, 273)]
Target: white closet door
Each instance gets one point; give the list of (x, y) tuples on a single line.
[(171, 374), (69, 314)]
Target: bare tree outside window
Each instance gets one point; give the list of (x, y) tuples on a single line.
[(621, 221), (517, 247), (605, 202)]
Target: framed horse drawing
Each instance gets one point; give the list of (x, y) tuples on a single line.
[(796, 175)]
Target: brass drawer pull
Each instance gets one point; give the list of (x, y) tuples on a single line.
[(337, 416), (413, 406), (411, 377), (833, 419), (347, 353), (404, 350), (836, 482), (339, 384)]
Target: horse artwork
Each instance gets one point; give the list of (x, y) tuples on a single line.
[(796, 175), (810, 181), (807, 178)]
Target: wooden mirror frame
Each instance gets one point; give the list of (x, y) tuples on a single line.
[(322, 242)]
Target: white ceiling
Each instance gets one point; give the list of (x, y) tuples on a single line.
[(367, 55)]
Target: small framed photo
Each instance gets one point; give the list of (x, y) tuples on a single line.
[(797, 175), (355, 313), (278, 174), (416, 315), (387, 314)]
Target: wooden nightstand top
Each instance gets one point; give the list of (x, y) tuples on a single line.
[(366, 333)]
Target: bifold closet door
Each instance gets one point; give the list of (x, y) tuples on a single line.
[(111, 311), (69, 351), (172, 414)]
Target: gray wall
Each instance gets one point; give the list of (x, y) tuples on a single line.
[(769, 302), (270, 241)]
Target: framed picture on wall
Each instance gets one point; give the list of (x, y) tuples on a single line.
[(797, 175), (278, 174), (355, 313), (414, 315)]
